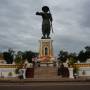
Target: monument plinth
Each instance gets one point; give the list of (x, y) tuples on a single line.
[(45, 49), (46, 43)]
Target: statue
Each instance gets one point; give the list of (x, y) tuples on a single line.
[(46, 23)]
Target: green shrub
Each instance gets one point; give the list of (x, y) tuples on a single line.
[(17, 71), (10, 74)]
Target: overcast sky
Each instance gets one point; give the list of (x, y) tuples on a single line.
[(20, 28)]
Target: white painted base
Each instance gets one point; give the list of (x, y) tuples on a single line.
[(24, 73), (71, 73)]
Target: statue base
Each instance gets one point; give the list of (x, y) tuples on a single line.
[(46, 50)]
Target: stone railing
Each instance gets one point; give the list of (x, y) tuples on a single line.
[(80, 65), (11, 66)]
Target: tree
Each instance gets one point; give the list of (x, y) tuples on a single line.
[(8, 56), (63, 55), (87, 52), (72, 57), (87, 48), (18, 59), (29, 55), (82, 56), (22, 56)]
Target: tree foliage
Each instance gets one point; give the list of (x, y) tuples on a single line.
[(19, 57), (29, 55), (63, 55), (8, 56), (84, 55), (22, 56), (72, 58)]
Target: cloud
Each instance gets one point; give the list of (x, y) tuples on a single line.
[(85, 22), (20, 28)]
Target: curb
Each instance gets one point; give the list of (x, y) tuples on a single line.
[(43, 80)]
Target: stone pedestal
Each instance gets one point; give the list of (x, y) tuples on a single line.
[(45, 49)]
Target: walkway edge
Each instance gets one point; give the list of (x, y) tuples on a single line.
[(42, 80)]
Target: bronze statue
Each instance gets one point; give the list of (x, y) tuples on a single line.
[(47, 22)]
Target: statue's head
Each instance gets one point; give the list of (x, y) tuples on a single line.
[(45, 8)]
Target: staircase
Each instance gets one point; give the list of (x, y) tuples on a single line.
[(45, 72)]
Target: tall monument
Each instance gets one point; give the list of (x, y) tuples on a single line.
[(46, 43)]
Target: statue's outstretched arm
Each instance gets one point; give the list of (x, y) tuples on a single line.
[(38, 13)]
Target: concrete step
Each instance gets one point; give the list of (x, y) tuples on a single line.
[(45, 72)]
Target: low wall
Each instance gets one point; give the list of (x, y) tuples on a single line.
[(8, 70), (84, 69)]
